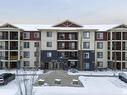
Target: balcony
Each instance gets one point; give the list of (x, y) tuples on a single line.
[(69, 55), (116, 36), (67, 46), (13, 57), (4, 35), (13, 45), (4, 47), (13, 35), (67, 36)]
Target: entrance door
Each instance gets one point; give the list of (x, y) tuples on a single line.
[(55, 65), (46, 66), (87, 66)]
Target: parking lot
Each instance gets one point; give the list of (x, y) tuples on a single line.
[(66, 80)]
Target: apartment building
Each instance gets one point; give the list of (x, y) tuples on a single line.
[(9, 45), (31, 49), (63, 46)]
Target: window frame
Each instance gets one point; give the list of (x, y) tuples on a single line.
[(86, 53), (26, 65), (36, 35), (49, 45), (49, 34), (36, 44), (86, 45), (100, 35), (26, 35), (49, 54), (86, 35), (98, 63), (24, 44), (99, 46), (24, 56), (98, 54)]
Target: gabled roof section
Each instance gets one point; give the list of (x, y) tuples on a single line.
[(7, 25), (67, 23), (121, 26)]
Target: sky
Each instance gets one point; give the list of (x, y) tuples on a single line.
[(56, 11)]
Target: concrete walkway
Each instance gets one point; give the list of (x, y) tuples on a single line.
[(66, 80)]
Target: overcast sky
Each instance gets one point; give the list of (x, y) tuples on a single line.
[(55, 11)]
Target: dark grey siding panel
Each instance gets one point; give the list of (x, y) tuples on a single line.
[(44, 57), (91, 59)]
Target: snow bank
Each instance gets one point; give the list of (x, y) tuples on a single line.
[(106, 73), (22, 71)]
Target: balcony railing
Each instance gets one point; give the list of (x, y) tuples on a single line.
[(13, 37), (14, 48), (13, 57), (68, 47), (67, 36), (3, 37), (4, 47), (72, 57)]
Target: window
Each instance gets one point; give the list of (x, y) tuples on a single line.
[(72, 36), (86, 45), (0, 54), (100, 64), (26, 54), (62, 54), (61, 36), (99, 54), (86, 55), (1, 45), (26, 35), (26, 63), (99, 45), (36, 44), (86, 35), (72, 45), (49, 34), (99, 35), (61, 45), (49, 54), (26, 44), (49, 44), (87, 65), (36, 35), (36, 54), (35, 63)]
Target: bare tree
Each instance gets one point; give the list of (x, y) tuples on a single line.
[(25, 81)]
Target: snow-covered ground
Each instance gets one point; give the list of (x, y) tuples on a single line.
[(92, 86), (21, 71), (12, 87), (9, 89), (107, 73)]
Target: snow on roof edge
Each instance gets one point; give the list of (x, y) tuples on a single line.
[(36, 27)]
